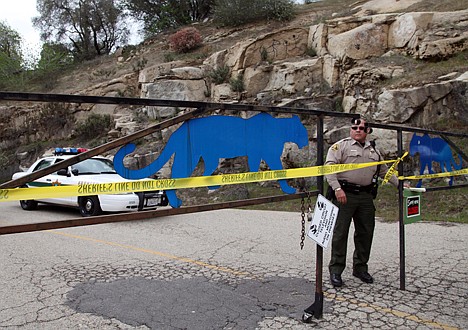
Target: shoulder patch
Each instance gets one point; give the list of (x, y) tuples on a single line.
[(334, 147)]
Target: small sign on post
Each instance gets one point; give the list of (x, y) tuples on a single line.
[(323, 221), (412, 198)]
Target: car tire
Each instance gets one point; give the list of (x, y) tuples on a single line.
[(89, 206), (28, 205), (164, 200)]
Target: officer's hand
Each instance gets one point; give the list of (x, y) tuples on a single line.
[(340, 196)]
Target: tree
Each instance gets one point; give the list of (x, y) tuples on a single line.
[(157, 15), (239, 12), (88, 28), (53, 57), (10, 54)]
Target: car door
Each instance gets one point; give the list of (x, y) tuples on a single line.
[(52, 179)]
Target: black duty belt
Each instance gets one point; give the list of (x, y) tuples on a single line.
[(354, 188)]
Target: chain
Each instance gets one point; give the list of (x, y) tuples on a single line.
[(303, 215), (309, 207)]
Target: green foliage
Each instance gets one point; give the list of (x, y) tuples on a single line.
[(339, 104), (86, 28), (310, 51), (185, 40), (94, 126), (10, 41), (169, 57), (220, 75), (10, 56), (54, 59), (157, 15), (264, 54), (239, 12), (237, 84)]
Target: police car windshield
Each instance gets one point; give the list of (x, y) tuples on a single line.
[(94, 166)]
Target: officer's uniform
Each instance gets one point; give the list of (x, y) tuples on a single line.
[(359, 206)]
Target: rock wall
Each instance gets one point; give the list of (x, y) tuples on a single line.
[(278, 68)]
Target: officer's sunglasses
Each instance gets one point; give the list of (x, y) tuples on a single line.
[(356, 128)]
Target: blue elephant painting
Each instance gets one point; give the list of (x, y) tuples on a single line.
[(261, 137), (433, 150)]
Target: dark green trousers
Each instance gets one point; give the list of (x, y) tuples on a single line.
[(359, 208)]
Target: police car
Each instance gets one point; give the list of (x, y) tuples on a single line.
[(92, 170)]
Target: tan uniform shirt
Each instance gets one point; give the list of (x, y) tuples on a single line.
[(348, 151)]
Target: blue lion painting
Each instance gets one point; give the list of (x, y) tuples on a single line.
[(433, 150), (261, 137)]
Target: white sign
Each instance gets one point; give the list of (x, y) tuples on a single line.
[(323, 221)]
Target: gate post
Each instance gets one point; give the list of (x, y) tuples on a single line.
[(401, 220), (316, 309)]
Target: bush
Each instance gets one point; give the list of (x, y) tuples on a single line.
[(238, 12), (220, 75), (237, 84), (185, 40), (94, 126)]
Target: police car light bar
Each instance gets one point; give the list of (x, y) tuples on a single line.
[(69, 151)]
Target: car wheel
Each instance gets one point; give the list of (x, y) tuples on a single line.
[(164, 200), (28, 205), (89, 206)]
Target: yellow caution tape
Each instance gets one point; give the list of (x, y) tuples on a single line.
[(393, 169), (463, 171), (86, 189)]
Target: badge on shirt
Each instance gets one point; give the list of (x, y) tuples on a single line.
[(334, 147)]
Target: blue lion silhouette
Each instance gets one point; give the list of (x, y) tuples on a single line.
[(433, 150), (261, 137)]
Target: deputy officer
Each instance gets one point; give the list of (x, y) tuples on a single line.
[(354, 197)]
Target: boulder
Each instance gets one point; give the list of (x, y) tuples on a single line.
[(222, 92), (150, 74), (405, 28), (441, 49), (276, 46), (367, 40), (399, 106), (187, 73), (177, 89), (294, 77), (317, 39), (256, 79)]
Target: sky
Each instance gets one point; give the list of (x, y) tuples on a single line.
[(18, 14)]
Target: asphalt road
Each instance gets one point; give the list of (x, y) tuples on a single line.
[(228, 269)]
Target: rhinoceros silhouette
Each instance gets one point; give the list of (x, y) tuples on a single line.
[(433, 150), (261, 137)]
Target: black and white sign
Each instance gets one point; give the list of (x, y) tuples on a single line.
[(323, 221), (412, 206)]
